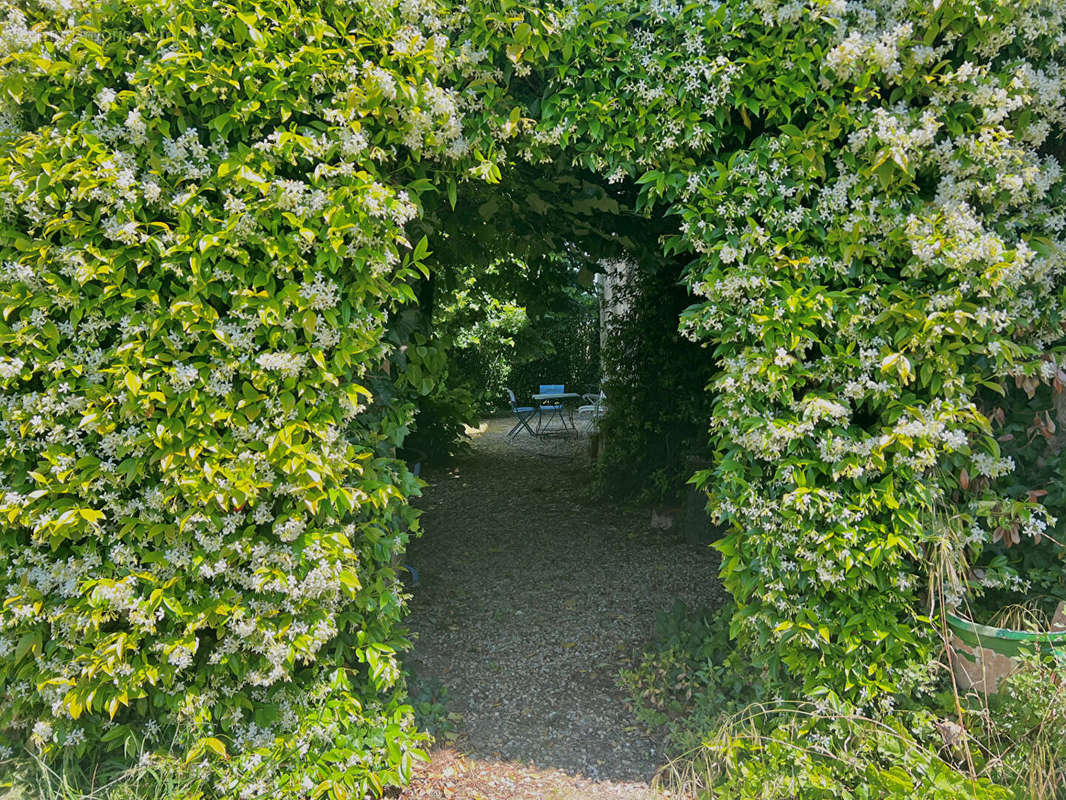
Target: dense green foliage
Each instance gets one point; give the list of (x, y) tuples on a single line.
[(517, 325), (818, 752), (212, 210), (201, 250), (654, 434), (1020, 732), (864, 282), (1017, 567), (692, 677), (733, 736)]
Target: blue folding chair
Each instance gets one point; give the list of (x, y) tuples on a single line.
[(550, 408), (523, 413)]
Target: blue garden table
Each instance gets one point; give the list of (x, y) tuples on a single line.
[(562, 398)]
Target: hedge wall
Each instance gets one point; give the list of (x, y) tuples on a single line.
[(202, 242), (203, 234)]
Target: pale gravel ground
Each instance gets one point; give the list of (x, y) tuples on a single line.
[(532, 597)]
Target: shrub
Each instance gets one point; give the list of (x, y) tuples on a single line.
[(809, 752), (655, 428), (692, 677), (877, 244), (203, 236), (1010, 746), (439, 431), (201, 513), (1020, 732)]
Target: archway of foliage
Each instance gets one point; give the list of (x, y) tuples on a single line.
[(511, 294), (510, 297), (511, 324), (205, 229)]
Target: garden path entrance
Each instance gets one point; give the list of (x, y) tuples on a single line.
[(531, 598)]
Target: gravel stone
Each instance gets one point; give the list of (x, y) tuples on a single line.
[(531, 599)]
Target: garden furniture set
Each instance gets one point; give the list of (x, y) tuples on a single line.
[(552, 401)]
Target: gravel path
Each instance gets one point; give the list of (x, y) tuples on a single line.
[(531, 599)]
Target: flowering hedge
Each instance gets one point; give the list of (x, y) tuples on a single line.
[(204, 232), (874, 205), (883, 254), (202, 240)]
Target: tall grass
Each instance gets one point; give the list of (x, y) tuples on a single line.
[(801, 750), (150, 778), (1007, 746)]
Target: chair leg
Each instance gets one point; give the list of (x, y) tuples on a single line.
[(523, 422)]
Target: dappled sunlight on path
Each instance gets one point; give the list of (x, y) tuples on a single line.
[(531, 599)]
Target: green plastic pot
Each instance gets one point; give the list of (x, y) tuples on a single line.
[(1006, 641)]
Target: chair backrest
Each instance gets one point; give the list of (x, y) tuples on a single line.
[(551, 388), (511, 397)]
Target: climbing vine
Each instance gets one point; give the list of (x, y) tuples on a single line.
[(203, 239), (207, 216)]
